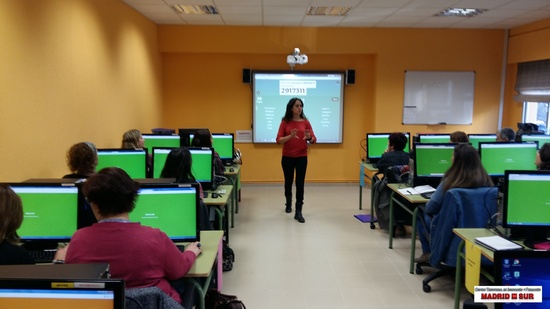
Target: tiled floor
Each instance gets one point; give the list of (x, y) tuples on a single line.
[(331, 261)]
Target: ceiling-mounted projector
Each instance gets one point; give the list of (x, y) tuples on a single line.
[(296, 58)]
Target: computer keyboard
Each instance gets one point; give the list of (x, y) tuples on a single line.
[(43, 255), (427, 195)]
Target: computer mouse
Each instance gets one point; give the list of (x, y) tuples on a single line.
[(204, 194), (231, 169), (214, 195)]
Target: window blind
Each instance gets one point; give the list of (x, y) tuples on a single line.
[(533, 81)]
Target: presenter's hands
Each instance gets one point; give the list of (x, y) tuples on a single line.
[(195, 247), (293, 133)]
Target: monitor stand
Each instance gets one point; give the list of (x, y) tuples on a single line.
[(537, 238)]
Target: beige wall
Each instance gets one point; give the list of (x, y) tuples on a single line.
[(72, 71), (202, 68)]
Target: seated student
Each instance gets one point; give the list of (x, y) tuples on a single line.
[(203, 138), (506, 135), (132, 139), (11, 215), (459, 137), (81, 160), (178, 165), (543, 158), (141, 255), (394, 154), (466, 171)]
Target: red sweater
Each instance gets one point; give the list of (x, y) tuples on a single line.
[(141, 255), (295, 147)]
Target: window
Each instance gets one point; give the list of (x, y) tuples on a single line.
[(537, 113)]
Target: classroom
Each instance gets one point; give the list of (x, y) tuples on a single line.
[(89, 70)]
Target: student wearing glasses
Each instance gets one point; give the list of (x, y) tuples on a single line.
[(141, 255)]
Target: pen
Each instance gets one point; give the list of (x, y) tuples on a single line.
[(409, 191)]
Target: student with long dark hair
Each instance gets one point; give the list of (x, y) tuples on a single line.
[(203, 138), (466, 171), (11, 218), (295, 132), (178, 165)]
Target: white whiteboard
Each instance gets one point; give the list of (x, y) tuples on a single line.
[(438, 97)]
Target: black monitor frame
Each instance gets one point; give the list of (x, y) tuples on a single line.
[(185, 135), (150, 149), (535, 135), (40, 242), (497, 178), (226, 160), (372, 159), (207, 185), (420, 135), (532, 232), (137, 150), (117, 286), (428, 180), (482, 134)]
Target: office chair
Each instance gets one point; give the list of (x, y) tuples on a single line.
[(462, 208)]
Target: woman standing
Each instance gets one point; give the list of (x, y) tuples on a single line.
[(294, 133)]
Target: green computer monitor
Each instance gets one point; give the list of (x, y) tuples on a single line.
[(160, 140), (498, 157), (49, 211), (201, 166), (540, 138), (377, 143), (475, 139), (223, 144), (434, 138), (172, 208), (132, 161), (431, 162)]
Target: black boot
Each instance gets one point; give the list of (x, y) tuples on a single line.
[(288, 204), (298, 215)]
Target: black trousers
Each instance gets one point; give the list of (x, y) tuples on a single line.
[(289, 166)]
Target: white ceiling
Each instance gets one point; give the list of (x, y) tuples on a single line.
[(501, 14)]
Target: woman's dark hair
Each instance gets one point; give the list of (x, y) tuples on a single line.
[(459, 137), (178, 165), (544, 154), (82, 158), (112, 190), (202, 138), (289, 105), (466, 171), (11, 214), (398, 140)]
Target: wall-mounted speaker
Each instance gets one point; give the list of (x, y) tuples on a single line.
[(350, 77), (246, 76)]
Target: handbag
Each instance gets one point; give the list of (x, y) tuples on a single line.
[(217, 300)]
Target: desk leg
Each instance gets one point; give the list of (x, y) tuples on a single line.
[(361, 184), (413, 239), (391, 220), (458, 274)]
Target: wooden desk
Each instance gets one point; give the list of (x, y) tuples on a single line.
[(235, 179), (211, 256), (222, 203), (366, 174), (414, 200)]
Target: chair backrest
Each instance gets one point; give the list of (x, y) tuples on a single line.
[(397, 173), (149, 298), (462, 208)]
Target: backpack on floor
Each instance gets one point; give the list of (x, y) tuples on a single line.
[(217, 300), (228, 256)]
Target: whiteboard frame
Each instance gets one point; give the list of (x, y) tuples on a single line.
[(438, 97)]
